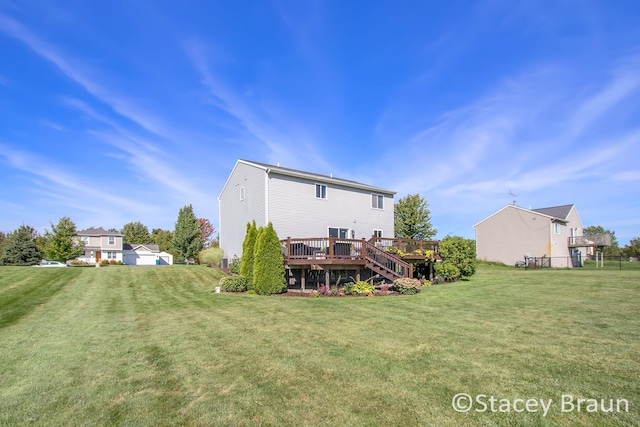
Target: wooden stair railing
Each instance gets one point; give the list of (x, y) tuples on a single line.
[(387, 265)]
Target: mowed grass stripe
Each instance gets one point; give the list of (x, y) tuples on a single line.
[(156, 346), (23, 289)]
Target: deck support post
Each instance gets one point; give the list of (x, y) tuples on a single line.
[(358, 275), (327, 278), (303, 278)]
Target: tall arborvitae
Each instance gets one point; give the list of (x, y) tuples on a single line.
[(248, 245), (268, 266)]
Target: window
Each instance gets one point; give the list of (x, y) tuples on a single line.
[(242, 193), (111, 255), (556, 228), (377, 233), (112, 240), (321, 191), (341, 233), (85, 240), (377, 201)]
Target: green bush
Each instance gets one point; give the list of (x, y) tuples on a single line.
[(251, 292), (235, 265), (447, 271), (211, 257), (459, 252), (407, 286), (358, 288), (233, 284)]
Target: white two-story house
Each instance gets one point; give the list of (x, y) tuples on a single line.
[(300, 204)]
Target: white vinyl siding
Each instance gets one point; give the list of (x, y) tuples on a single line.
[(234, 213), (296, 212)]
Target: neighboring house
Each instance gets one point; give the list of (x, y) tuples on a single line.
[(100, 244), (145, 255), (513, 233), (300, 204)]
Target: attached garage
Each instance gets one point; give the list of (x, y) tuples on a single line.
[(145, 255)]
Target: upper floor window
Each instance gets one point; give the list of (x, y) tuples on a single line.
[(377, 201), (112, 240), (556, 228), (85, 240), (321, 191), (242, 191)]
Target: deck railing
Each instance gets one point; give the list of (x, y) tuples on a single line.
[(390, 265), (404, 245), (322, 248), (590, 240)]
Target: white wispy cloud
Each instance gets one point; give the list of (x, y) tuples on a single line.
[(75, 70), (258, 121)]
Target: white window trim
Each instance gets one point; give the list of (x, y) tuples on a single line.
[(339, 228), (377, 229), (326, 191), (377, 196), (556, 228), (109, 240)]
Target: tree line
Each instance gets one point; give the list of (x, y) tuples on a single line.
[(25, 246)]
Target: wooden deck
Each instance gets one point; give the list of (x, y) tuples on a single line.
[(593, 240), (377, 254)]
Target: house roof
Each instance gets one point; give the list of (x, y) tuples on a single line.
[(560, 212), (555, 213), (150, 248), (98, 232), (329, 179)]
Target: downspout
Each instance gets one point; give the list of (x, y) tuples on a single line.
[(266, 197)]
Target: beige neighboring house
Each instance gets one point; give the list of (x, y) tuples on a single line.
[(100, 244), (513, 233)]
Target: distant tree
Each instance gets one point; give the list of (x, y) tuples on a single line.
[(268, 268), (633, 248), (60, 245), (187, 240), (162, 238), (614, 249), (458, 257), (206, 231), (3, 239), (412, 218), (20, 247), (136, 233), (248, 247)]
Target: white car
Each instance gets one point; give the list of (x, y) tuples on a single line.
[(45, 263)]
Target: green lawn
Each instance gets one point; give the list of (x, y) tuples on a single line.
[(155, 346)]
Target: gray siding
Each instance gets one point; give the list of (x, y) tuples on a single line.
[(235, 213), (295, 211)]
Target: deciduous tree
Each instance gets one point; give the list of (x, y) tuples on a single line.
[(60, 245), (412, 218), (187, 240), (136, 233), (206, 230), (162, 238), (633, 248)]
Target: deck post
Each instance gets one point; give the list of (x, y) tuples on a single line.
[(357, 275), (303, 279), (327, 279)]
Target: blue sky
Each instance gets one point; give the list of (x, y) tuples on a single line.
[(120, 111)]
